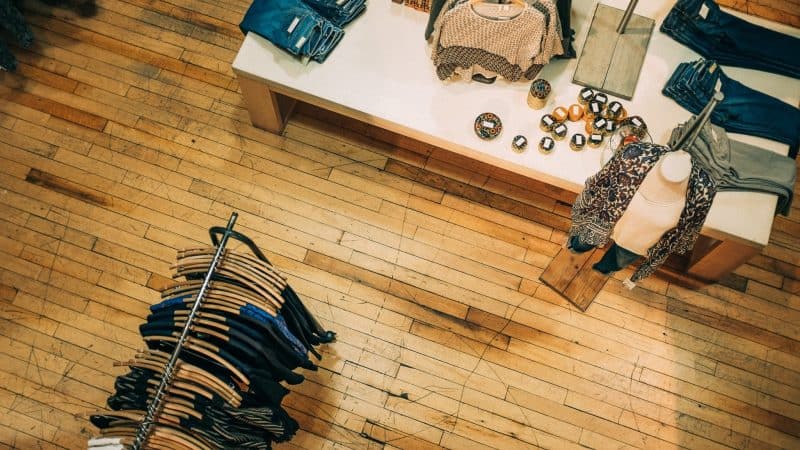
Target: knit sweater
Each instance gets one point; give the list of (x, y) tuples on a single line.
[(608, 193), (463, 38)]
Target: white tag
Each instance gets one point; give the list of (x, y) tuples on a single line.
[(340, 2), (293, 25), (520, 141), (703, 11), (547, 121), (579, 139), (300, 42), (487, 124), (561, 128), (718, 86)]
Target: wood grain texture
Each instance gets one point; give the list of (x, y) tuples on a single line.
[(124, 137), (784, 11)]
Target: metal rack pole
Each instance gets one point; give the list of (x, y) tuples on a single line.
[(700, 120), (626, 16), (153, 409)]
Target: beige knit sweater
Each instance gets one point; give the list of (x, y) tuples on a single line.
[(516, 40)]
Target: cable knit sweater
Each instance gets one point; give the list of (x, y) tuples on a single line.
[(463, 39), (608, 193)]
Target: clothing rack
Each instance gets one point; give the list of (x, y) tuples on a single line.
[(154, 407), (700, 120)]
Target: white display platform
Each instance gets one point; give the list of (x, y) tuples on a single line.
[(381, 74)]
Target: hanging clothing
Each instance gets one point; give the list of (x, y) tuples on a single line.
[(608, 193), (467, 40), (247, 337)]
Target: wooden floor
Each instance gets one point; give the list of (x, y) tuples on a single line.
[(123, 138)]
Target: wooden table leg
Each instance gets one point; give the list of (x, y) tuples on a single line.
[(268, 110), (720, 260)]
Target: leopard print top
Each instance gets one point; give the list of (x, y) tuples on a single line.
[(608, 193)]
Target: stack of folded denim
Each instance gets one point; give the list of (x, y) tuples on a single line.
[(736, 166), (304, 28), (743, 110), (702, 26)]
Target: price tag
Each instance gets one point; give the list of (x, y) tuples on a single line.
[(704, 11), (487, 124), (293, 25)]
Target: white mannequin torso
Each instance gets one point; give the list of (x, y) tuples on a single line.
[(657, 204)]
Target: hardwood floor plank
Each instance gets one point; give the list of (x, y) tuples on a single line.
[(133, 137)]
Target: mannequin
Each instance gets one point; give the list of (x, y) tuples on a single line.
[(657, 204)]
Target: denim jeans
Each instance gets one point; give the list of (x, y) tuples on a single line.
[(736, 166), (614, 259), (743, 110), (702, 26), (339, 12), (292, 26)]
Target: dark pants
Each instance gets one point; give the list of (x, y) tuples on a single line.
[(614, 259), (743, 110), (702, 26)]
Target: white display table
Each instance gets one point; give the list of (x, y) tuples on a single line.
[(381, 74)]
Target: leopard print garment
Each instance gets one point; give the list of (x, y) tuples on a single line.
[(608, 193)]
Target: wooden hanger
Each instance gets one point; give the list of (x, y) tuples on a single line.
[(263, 289), (267, 269)]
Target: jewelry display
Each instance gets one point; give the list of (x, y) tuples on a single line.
[(610, 127), (559, 132), (600, 98), (546, 145), (595, 139), (613, 111), (519, 143), (547, 123), (593, 109), (585, 95), (560, 114), (537, 95), (577, 141), (488, 126), (575, 112)]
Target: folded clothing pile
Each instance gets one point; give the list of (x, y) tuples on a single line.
[(513, 40), (743, 110), (304, 28)]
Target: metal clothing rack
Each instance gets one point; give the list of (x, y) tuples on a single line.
[(154, 407), (693, 130)]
